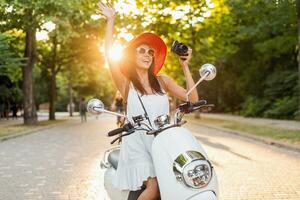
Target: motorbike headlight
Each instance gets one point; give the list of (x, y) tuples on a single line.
[(197, 174), (193, 169)]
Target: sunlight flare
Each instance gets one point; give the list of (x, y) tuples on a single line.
[(115, 52)]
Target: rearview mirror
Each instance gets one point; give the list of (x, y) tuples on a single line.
[(208, 71), (95, 106)]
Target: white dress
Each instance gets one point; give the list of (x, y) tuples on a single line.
[(135, 162)]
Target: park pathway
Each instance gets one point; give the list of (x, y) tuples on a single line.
[(63, 163)]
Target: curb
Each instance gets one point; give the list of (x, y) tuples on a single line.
[(253, 137), (8, 137)]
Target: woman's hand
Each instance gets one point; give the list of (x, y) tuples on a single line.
[(184, 60), (107, 11)]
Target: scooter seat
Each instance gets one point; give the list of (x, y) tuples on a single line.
[(113, 158)]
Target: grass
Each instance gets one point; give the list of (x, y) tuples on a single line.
[(285, 135), (21, 128)]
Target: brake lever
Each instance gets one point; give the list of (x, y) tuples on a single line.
[(205, 108), (117, 138)]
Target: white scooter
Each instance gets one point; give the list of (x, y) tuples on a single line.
[(182, 167)]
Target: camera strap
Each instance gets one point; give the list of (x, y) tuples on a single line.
[(146, 114)]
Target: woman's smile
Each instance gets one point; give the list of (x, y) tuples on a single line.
[(147, 61)]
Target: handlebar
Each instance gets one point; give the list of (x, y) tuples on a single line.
[(115, 132), (126, 127), (200, 103), (205, 108), (183, 108), (189, 107)]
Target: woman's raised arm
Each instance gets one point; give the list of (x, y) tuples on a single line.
[(119, 79), (178, 91)]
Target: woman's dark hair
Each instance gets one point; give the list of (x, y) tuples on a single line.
[(133, 76)]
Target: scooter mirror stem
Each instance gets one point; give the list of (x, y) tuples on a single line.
[(200, 80), (108, 112), (207, 72)]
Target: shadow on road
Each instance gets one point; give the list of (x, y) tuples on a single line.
[(220, 146)]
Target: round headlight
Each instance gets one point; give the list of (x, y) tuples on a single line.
[(197, 174), (193, 169)]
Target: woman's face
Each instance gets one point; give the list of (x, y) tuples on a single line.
[(144, 56)]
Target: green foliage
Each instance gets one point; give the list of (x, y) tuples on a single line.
[(285, 108), (281, 84), (279, 98), (253, 44), (254, 107), (77, 58), (10, 71), (5, 93), (254, 48), (10, 63), (40, 86), (62, 99)]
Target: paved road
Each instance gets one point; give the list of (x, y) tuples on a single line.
[(251, 170), (59, 163), (286, 124), (63, 163)]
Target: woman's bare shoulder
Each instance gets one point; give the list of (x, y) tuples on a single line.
[(163, 80)]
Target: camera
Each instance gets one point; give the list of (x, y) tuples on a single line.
[(179, 48)]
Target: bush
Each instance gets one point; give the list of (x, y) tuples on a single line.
[(284, 108), (254, 107)]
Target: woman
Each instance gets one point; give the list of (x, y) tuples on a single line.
[(135, 76)]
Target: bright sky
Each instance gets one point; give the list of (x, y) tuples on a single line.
[(46, 28)]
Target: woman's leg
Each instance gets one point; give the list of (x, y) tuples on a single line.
[(152, 191)]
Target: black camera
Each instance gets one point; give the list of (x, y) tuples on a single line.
[(179, 48)]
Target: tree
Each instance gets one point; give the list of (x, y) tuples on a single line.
[(253, 44), (10, 73), (25, 16), (298, 57)]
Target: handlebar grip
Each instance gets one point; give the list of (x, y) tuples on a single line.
[(199, 103), (115, 132), (205, 108)]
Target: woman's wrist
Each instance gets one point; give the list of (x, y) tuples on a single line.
[(111, 19), (185, 65), (112, 16)]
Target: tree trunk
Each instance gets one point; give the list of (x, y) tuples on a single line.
[(52, 97), (52, 91), (298, 57), (70, 99), (30, 116)]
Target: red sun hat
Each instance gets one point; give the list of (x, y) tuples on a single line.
[(155, 42)]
